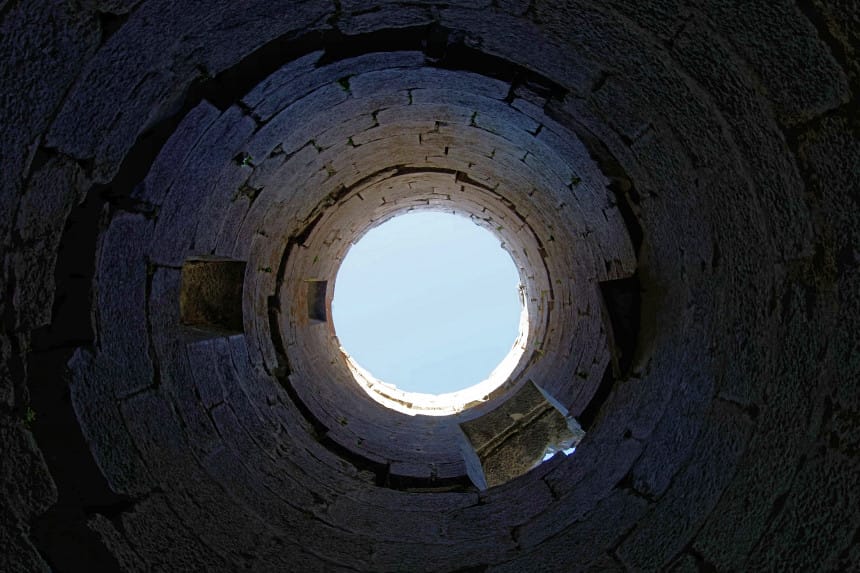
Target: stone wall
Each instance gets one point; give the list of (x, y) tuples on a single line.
[(704, 152)]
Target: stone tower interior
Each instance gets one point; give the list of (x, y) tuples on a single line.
[(677, 181)]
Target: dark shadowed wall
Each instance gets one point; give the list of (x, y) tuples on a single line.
[(677, 180)]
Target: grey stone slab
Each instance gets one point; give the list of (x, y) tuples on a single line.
[(401, 524), (802, 79), (180, 212), (19, 553), (196, 421), (819, 516), (674, 436), (261, 461), (474, 553), (693, 495), (28, 489), (788, 421), (663, 19), (546, 48), (52, 192), (175, 374), (302, 527), (109, 439), (304, 76), (384, 17), (116, 543), (580, 493), (175, 152), (770, 164), (156, 429), (208, 380), (120, 287), (160, 538), (51, 41), (288, 127), (514, 7), (584, 542), (7, 386), (427, 78), (502, 509), (148, 67)]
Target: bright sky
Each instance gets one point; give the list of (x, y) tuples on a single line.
[(428, 302)]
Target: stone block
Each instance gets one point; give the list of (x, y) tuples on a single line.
[(675, 435), (428, 78), (160, 538), (583, 542), (503, 509), (769, 163), (7, 385), (112, 539), (51, 194), (514, 437), (109, 440), (207, 379), (152, 421), (393, 556), (215, 155), (120, 285), (802, 79), (816, 522), (661, 535), (290, 129), (175, 152), (28, 489), (524, 42), (19, 554), (304, 75), (51, 41), (411, 525), (393, 17)]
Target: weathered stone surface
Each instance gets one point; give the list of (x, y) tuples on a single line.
[(27, 486), (803, 80), (149, 66), (174, 545), (582, 542), (166, 167), (826, 483), (19, 555), (513, 438), (51, 194), (109, 440), (37, 63), (116, 543), (710, 147), (121, 290), (7, 387), (664, 532), (211, 294), (26, 490)]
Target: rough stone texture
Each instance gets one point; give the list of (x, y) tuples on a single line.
[(44, 47), (211, 294), (51, 194), (710, 147), (27, 491), (513, 438)]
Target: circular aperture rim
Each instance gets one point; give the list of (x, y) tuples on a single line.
[(447, 403)]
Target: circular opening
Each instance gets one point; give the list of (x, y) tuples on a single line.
[(427, 309)]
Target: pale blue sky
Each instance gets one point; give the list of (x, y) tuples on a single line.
[(427, 301)]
